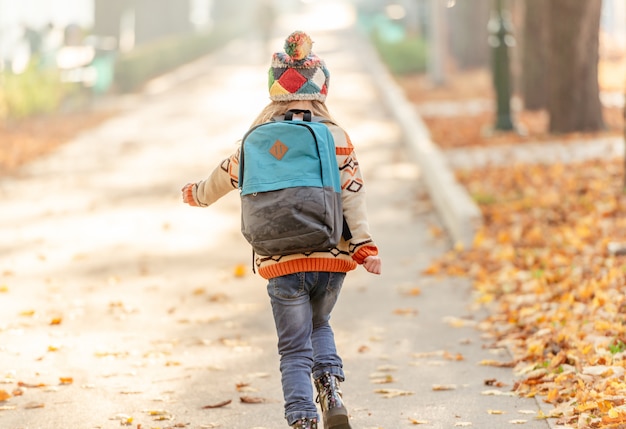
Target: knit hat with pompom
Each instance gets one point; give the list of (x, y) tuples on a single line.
[(298, 74)]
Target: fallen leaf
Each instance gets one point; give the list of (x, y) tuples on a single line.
[(218, 297), (494, 382), (4, 395), (414, 291), (463, 424), (383, 380), (455, 357), (31, 385), (239, 270), (498, 364), (393, 393), (218, 405), (56, 321), (252, 400), (496, 412), (33, 405), (418, 422), (443, 387), (405, 312), (457, 322), (66, 380), (518, 422), (121, 417), (496, 393)]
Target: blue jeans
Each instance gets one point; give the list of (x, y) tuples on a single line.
[(302, 303)]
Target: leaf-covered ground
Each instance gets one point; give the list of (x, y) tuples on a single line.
[(28, 139), (549, 261)]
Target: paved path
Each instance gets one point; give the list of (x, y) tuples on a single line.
[(107, 279)]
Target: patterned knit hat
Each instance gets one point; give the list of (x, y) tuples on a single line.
[(298, 74)]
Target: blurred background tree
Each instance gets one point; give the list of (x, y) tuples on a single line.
[(573, 45), (534, 55)]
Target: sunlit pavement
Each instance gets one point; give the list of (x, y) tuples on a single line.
[(119, 305)]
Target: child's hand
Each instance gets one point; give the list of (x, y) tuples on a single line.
[(373, 264), (188, 194)]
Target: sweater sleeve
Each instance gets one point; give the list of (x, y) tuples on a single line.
[(353, 198), (223, 179)]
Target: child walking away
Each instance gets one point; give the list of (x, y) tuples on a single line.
[(304, 276)]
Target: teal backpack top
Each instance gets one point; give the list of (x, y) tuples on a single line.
[(290, 187)]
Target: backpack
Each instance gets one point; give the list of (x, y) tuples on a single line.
[(290, 188)]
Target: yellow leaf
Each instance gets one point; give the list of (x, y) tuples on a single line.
[(586, 406), (56, 321), (240, 270), (553, 396), (495, 412), (442, 387), (4, 395), (392, 393), (605, 406), (490, 362), (4, 288)]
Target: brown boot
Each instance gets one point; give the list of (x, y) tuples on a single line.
[(305, 424), (329, 396)]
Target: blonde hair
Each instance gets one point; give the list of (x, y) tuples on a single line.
[(278, 108)]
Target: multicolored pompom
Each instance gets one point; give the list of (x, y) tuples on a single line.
[(298, 45)]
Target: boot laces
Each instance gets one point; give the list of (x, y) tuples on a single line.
[(329, 391)]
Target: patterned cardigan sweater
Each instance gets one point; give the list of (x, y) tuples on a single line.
[(342, 258)]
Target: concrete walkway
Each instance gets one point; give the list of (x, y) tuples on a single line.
[(119, 305)]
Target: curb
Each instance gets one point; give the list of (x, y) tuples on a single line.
[(461, 216)]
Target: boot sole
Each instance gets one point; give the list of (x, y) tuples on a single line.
[(339, 421)]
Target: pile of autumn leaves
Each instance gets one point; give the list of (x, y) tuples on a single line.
[(548, 264)]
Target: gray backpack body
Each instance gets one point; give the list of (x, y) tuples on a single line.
[(290, 188)]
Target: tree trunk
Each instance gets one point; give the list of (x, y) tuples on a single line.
[(534, 55), (468, 33), (574, 99)]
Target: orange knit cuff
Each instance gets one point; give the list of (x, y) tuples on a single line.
[(364, 252), (189, 195)]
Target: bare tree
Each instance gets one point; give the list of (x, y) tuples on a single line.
[(573, 46)]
